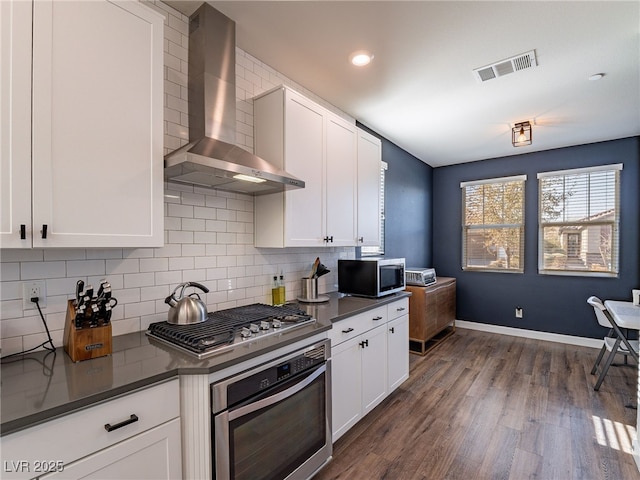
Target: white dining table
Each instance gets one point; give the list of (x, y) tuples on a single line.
[(625, 314)]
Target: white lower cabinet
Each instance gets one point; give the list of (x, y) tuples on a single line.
[(146, 456), (397, 343), (369, 359), (135, 436)]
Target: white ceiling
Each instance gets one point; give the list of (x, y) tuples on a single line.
[(420, 92)]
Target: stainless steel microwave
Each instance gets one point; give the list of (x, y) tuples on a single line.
[(371, 277)]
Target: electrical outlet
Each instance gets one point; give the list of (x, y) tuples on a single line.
[(34, 289), (519, 312)]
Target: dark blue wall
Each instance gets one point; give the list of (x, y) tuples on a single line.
[(551, 303), (408, 205)]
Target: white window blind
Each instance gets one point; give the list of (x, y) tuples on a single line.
[(493, 224), (376, 251), (579, 221)]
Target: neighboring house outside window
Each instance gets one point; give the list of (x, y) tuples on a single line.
[(579, 221), (493, 224)]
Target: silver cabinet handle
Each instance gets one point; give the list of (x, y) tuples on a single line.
[(399, 309)]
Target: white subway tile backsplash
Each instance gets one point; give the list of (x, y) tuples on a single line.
[(168, 278), (154, 293), (191, 198), (181, 237), (39, 270), (9, 271), (154, 264), (181, 263), (193, 224), (137, 252), (169, 250), (139, 309), (179, 210), (132, 280), (11, 290), (193, 250), (204, 237), (129, 265)]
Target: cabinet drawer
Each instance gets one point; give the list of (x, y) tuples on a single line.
[(357, 324), (398, 308), (78, 434)]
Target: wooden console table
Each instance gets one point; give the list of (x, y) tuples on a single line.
[(432, 314)]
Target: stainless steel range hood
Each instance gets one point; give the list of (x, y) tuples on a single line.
[(211, 158)]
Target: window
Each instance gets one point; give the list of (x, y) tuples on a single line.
[(579, 221), (493, 224), (377, 251)]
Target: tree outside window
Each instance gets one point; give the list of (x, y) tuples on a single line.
[(493, 224)]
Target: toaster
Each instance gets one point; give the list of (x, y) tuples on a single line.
[(420, 276)]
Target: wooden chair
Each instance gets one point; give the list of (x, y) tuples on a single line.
[(615, 341)]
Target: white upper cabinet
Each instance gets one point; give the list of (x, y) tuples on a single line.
[(369, 198), (15, 124), (340, 182), (308, 141), (96, 154)]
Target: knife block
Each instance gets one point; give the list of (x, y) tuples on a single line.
[(85, 343)]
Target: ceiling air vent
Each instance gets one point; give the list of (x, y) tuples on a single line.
[(505, 67)]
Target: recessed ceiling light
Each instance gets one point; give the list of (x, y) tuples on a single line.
[(596, 76), (361, 58)]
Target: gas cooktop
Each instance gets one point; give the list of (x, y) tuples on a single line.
[(225, 329)]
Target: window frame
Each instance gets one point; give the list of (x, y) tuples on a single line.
[(466, 228), (378, 250), (614, 224)]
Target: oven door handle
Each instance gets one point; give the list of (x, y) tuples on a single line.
[(278, 397)]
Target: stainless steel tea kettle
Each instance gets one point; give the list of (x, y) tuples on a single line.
[(186, 310)]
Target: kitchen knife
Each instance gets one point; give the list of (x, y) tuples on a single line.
[(79, 287), (89, 292), (95, 310), (101, 288)]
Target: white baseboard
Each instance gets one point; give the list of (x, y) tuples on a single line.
[(519, 332)]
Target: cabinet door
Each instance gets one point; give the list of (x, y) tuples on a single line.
[(369, 198), (153, 455), (374, 368), (346, 386), (15, 124), (397, 352), (340, 185), (304, 153), (97, 124), (445, 305)]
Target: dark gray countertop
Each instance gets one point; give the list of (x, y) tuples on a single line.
[(44, 385)]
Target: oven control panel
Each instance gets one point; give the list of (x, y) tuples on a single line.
[(275, 374)]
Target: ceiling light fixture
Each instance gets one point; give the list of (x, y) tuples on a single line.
[(361, 58), (521, 134), (596, 76)]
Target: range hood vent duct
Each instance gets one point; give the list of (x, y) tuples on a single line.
[(211, 158), (505, 67)]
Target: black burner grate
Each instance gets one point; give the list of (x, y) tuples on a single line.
[(221, 326)]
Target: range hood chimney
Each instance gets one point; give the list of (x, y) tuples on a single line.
[(211, 158)]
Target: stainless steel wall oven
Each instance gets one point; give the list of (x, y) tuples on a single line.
[(274, 421)]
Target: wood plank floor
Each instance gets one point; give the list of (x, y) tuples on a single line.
[(488, 406)]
